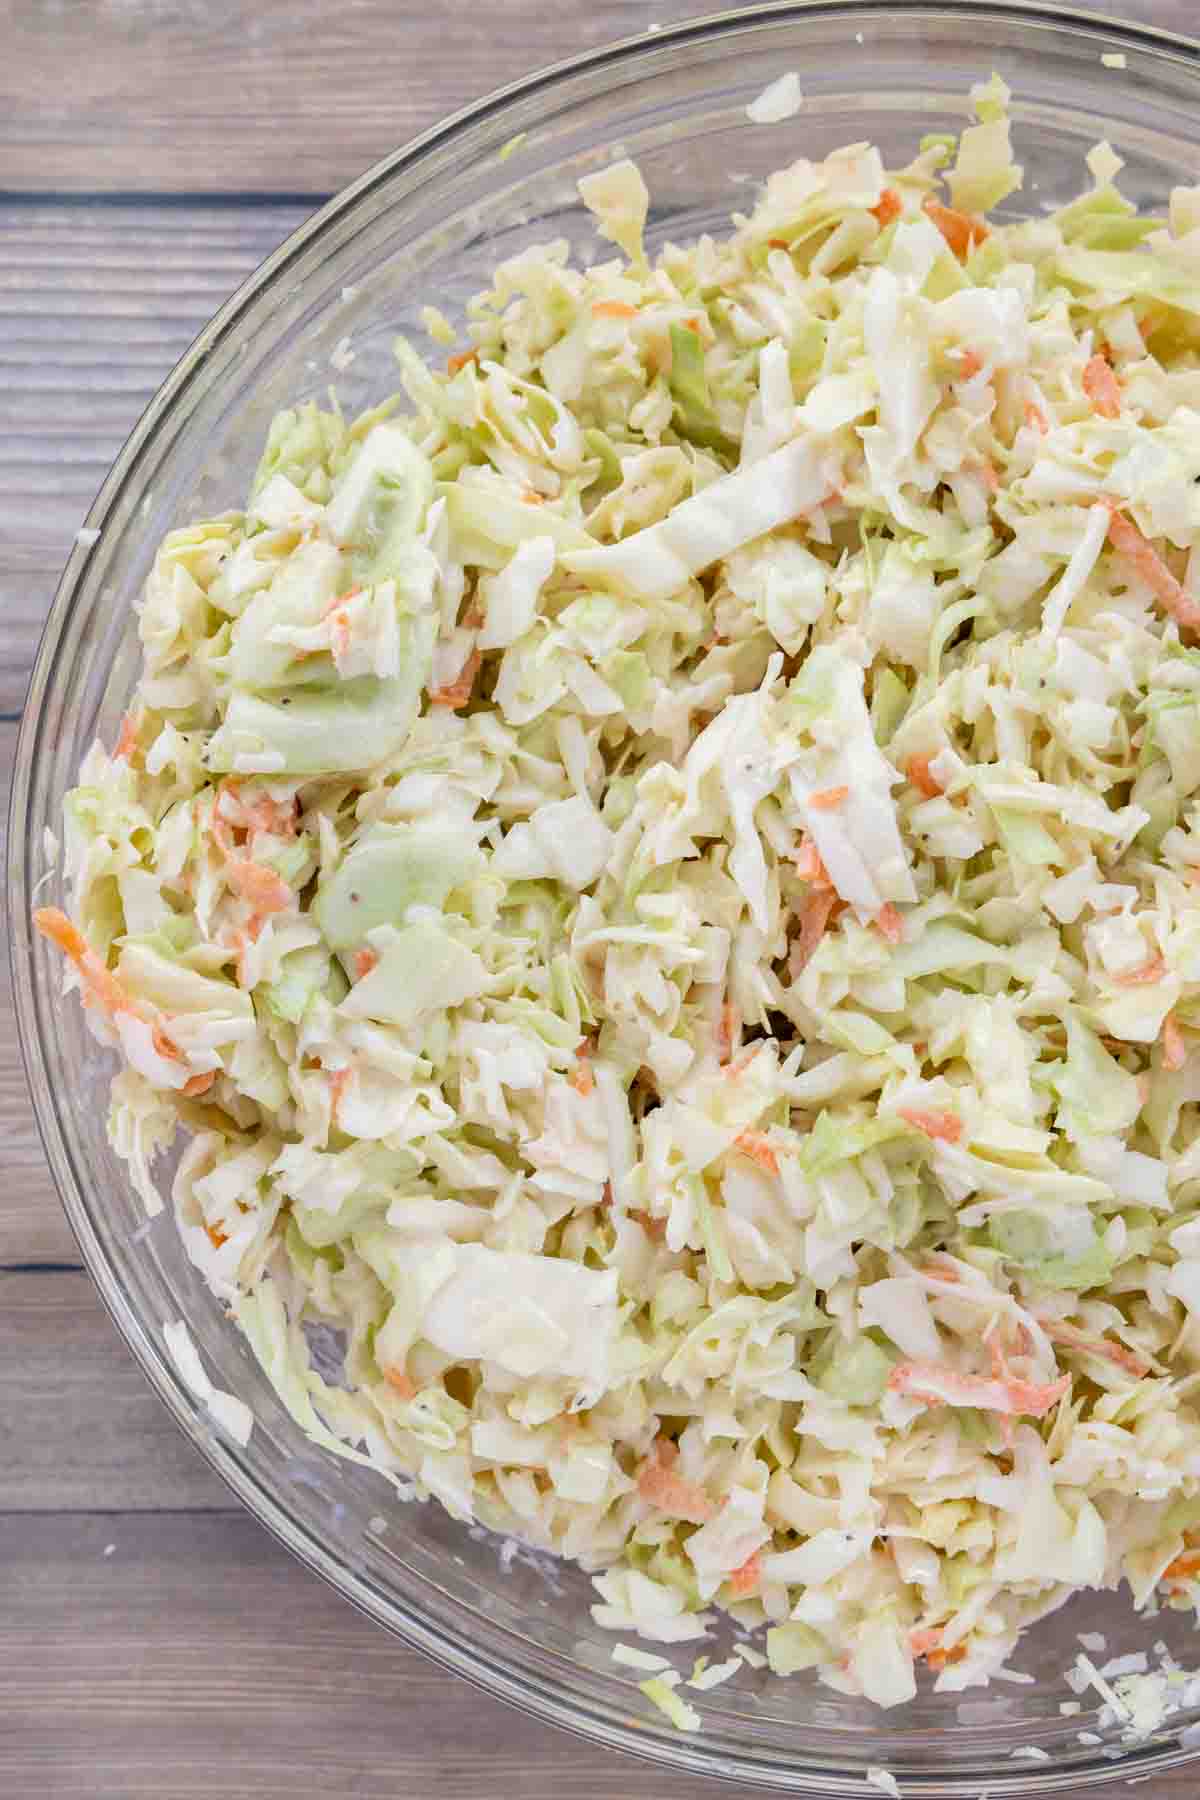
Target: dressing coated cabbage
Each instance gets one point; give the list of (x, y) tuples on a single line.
[(660, 882)]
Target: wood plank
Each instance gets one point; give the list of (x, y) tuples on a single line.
[(307, 95), (96, 304), (289, 96), (80, 1425), (127, 1675)]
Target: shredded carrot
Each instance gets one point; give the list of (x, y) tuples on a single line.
[(827, 799), (944, 1127), (889, 206), (613, 309), (740, 1062), (818, 909), (583, 1081), (100, 986), (1184, 1567), (126, 744), (458, 692), (941, 1659), (809, 865), (339, 1081), (889, 924), (778, 243), (364, 962), (747, 1578), (1129, 542), (728, 1031), (1102, 387), (266, 891), (961, 232), (459, 360), (216, 1236), (1072, 1339), (660, 1486), (1036, 417), (1150, 971), (1007, 1395), (970, 363), (1174, 1053), (921, 1642), (331, 606), (754, 1144), (199, 1084), (918, 771), (339, 636), (400, 1380)]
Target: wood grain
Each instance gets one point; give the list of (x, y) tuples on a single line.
[(155, 1679), (80, 1425), (289, 96), (96, 303)]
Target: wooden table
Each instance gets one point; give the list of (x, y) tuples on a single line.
[(153, 1640)]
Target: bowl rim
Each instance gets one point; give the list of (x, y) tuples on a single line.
[(534, 1695)]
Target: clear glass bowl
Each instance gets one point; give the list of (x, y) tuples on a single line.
[(428, 225)]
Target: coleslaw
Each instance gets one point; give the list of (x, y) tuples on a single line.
[(657, 873)]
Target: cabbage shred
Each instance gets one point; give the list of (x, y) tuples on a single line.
[(657, 872)]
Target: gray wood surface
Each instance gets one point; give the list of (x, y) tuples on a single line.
[(153, 1640)]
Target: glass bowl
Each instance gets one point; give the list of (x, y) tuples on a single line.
[(427, 226)]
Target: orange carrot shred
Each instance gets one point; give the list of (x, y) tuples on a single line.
[(889, 923), (961, 232), (100, 986), (199, 1084), (747, 1578), (809, 865), (400, 1380), (943, 1127), (458, 692), (889, 206), (1184, 1567), (364, 962), (827, 799), (754, 1145), (126, 744), (583, 1081), (459, 360), (1102, 387), (1129, 542), (658, 1484), (266, 891), (814, 919), (969, 363), (613, 309), (727, 1031), (918, 771), (1150, 971)]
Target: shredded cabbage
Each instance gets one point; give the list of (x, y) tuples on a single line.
[(659, 877)]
